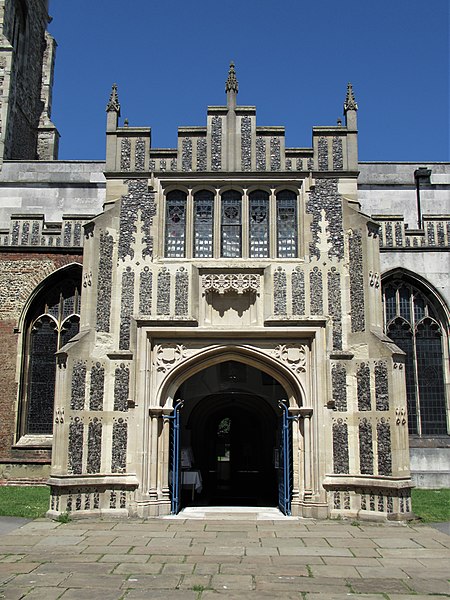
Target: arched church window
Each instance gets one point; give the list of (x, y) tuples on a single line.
[(231, 224), (287, 237), (52, 321), (413, 321), (203, 224), (175, 236), (259, 224)]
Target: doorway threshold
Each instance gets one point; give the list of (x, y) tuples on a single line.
[(232, 513)]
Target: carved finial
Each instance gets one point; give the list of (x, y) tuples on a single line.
[(339, 122), (126, 123), (350, 102), (232, 83), (113, 103)]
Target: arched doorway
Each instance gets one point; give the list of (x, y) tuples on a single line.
[(230, 436)]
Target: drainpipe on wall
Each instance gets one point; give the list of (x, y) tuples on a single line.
[(421, 174)]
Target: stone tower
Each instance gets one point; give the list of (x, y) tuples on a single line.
[(27, 54)]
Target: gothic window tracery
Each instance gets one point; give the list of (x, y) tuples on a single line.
[(413, 321), (203, 224), (175, 224), (259, 224), (231, 224), (287, 224)]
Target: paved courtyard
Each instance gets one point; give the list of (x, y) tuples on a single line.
[(241, 556)]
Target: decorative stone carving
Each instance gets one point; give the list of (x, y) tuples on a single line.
[(260, 154), (325, 197), (339, 382), (238, 283), (166, 356), (400, 416), (374, 279), (246, 144), (104, 283), (292, 355), (216, 143), (279, 292), (138, 199), (96, 389), (340, 447), (121, 387), (363, 387), (298, 291), (78, 386), (87, 279), (365, 447), (126, 308), (357, 315), (94, 446), (163, 294), (381, 386), (181, 292)]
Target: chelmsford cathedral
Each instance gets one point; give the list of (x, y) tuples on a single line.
[(228, 322)]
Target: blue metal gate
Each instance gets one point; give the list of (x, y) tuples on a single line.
[(174, 458), (285, 461)]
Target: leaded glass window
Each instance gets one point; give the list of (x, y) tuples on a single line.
[(287, 241), (231, 224), (203, 224), (412, 322), (259, 224), (53, 320), (175, 238)]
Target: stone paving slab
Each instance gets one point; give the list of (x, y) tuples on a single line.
[(206, 559)]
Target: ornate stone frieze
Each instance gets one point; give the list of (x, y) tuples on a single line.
[(365, 447), (119, 446), (121, 387), (338, 158), (299, 164), (77, 234), (322, 153), (126, 308), (288, 164), (384, 447), (139, 157), (316, 292), (186, 154), (325, 197), (87, 279), (238, 283), (201, 154), (292, 355), (78, 386), (163, 293), (216, 143), (104, 282), (96, 388), (125, 154), (75, 450), (400, 416), (166, 356), (279, 292), (145, 291), (357, 313), (399, 235), (139, 198), (374, 279), (246, 144), (173, 164), (310, 164), (381, 386), (340, 447), (275, 154), (94, 457), (334, 306), (260, 154), (339, 383), (67, 234), (162, 165), (298, 291), (25, 233), (363, 387), (181, 292), (35, 234)]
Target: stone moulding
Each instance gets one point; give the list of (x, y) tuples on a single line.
[(239, 283)]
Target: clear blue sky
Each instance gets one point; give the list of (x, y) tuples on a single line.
[(293, 61)]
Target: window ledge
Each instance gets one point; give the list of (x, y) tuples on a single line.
[(34, 441)]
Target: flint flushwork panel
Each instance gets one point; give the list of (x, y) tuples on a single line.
[(365, 447), (104, 283), (121, 387), (145, 291), (340, 447), (356, 282), (246, 144), (77, 234), (334, 306), (275, 154), (139, 198), (260, 154), (97, 386), (186, 154), (75, 450), (125, 154), (384, 448), (216, 143), (381, 386), (119, 446), (67, 234), (338, 159), (325, 197), (78, 386), (339, 382), (201, 154), (139, 158), (279, 292), (298, 292), (126, 308), (322, 149), (316, 292), (94, 457), (26, 233), (181, 292), (163, 294), (363, 387)]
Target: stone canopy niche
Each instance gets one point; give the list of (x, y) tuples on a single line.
[(232, 298)]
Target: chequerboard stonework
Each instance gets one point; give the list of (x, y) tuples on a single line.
[(228, 322)]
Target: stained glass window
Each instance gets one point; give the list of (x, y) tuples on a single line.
[(203, 224), (259, 224), (287, 224), (175, 224), (53, 320), (412, 323), (231, 224)]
